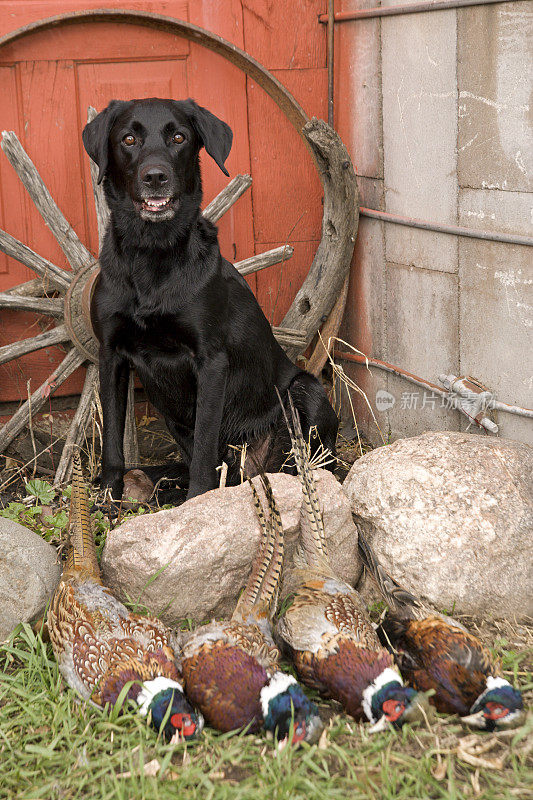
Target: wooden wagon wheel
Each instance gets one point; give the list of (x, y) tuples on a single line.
[(323, 291)]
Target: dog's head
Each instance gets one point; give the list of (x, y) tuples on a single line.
[(148, 149)]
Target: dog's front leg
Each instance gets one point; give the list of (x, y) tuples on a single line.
[(211, 392), (114, 374)]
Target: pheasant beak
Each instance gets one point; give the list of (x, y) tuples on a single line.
[(477, 720), (381, 725), (313, 729), (417, 711), (480, 719)]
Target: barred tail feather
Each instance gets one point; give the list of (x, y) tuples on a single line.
[(261, 590), (272, 579), (398, 598), (313, 535), (81, 553)]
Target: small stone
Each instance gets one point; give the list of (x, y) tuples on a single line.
[(137, 486), (450, 515), (29, 574), (193, 561)]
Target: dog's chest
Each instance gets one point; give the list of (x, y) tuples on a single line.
[(151, 333)]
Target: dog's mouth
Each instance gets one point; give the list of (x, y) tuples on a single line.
[(157, 208)]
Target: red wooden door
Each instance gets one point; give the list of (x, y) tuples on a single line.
[(48, 79)]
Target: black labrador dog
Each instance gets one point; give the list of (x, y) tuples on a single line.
[(169, 305)]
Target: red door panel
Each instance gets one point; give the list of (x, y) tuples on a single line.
[(51, 139), (12, 206)]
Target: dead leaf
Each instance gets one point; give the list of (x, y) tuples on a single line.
[(46, 512), (150, 769), (323, 741), (474, 780), (477, 760), (441, 770)]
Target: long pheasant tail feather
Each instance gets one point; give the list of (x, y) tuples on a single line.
[(81, 553), (275, 550), (253, 586), (313, 533), (261, 589), (398, 598)]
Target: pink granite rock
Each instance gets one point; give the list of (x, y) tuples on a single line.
[(193, 561)]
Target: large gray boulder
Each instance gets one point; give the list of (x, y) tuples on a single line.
[(193, 561), (29, 574), (451, 517)]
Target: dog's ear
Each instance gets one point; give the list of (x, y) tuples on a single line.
[(95, 135), (215, 135)]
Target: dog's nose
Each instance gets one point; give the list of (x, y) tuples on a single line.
[(155, 177)]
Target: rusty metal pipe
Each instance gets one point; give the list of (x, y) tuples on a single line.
[(357, 358), (410, 8), (457, 230)]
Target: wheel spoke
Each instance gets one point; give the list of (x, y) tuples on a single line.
[(17, 349), (57, 277), (34, 288), (76, 252), (78, 426), (289, 337), (42, 305), (227, 197), (20, 419), (266, 259), (102, 210)]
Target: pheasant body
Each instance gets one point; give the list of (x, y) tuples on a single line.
[(326, 628), (231, 668), (436, 652), (225, 667), (334, 647), (101, 647)]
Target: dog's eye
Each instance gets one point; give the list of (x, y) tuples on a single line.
[(178, 138), (129, 140)]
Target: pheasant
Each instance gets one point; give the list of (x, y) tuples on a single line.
[(326, 629), (231, 668), (101, 647), (436, 652)]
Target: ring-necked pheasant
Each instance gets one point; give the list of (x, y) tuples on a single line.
[(100, 646), (436, 652), (326, 628), (231, 668)]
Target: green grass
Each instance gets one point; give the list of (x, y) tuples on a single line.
[(55, 747)]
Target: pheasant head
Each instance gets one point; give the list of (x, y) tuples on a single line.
[(388, 702), (182, 721), (499, 706), (284, 702)]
